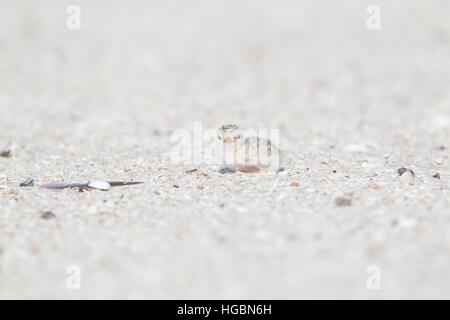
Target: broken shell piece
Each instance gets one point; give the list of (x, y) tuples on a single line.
[(48, 215), (124, 183), (59, 186), (83, 186), (27, 183), (406, 175), (100, 185)]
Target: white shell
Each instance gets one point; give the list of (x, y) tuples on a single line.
[(100, 185), (407, 177)]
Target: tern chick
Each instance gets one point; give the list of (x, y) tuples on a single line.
[(251, 154)]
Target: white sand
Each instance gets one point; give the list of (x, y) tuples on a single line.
[(100, 103)]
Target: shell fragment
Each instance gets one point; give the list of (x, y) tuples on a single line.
[(100, 185)]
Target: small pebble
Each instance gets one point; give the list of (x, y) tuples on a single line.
[(5, 153), (176, 186), (27, 183), (82, 188), (343, 202), (226, 170), (406, 175), (402, 170), (295, 184), (100, 185), (48, 215), (437, 176)]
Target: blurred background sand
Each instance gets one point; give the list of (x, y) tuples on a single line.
[(101, 103)]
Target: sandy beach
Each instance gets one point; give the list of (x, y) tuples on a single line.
[(352, 104)]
